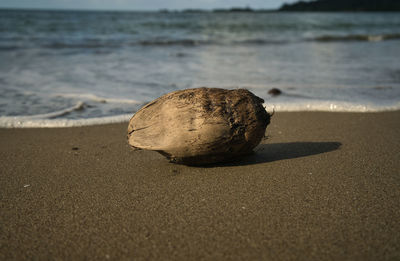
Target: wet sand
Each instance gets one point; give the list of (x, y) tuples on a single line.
[(323, 186)]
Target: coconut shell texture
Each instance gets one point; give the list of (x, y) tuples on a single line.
[(200, 126)]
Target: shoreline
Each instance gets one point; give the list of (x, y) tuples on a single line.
[(24, 122), (322, 186)]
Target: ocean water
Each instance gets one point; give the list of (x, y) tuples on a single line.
[(69, 68)]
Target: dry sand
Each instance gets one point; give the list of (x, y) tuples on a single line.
[(324, 186)]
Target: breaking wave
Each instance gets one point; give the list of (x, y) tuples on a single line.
[(187, 42), (356, 37)]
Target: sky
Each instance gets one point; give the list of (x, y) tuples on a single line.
[(141, 4)]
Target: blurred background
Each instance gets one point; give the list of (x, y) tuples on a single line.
[(96, 61)]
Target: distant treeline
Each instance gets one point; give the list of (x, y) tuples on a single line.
[(221, 10), (343, 5), (314, 6)]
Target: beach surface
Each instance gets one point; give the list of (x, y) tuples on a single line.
[(323, 186)]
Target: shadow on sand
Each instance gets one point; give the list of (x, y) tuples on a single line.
[(280, 151)]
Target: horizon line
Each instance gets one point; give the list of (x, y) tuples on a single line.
[(229, 9)]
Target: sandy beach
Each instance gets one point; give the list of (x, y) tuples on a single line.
[(323, 186)]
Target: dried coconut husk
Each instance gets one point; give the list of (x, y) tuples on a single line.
[(200, 126)]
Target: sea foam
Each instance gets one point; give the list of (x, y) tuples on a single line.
[(47, 120)]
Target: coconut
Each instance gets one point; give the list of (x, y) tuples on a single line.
[(200, 126)]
